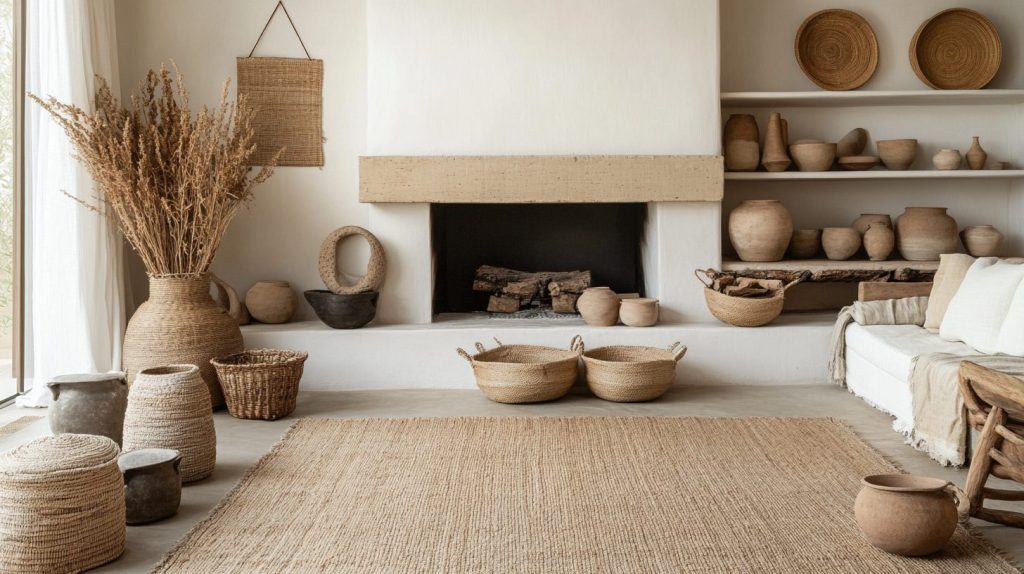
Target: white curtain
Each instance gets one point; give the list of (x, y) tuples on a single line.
[(74, 270)]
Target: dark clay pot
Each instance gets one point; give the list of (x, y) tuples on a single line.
[(343, 311), (152, 484), (89, 404)]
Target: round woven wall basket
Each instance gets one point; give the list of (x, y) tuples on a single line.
[(262, 383), (956, 49), (837, 49), (525, 373), (627, 374)]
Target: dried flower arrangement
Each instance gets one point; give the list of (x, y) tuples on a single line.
[(172, 181)]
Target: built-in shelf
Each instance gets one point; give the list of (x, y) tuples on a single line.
[(872, 98), (875, 174), (815, 265)]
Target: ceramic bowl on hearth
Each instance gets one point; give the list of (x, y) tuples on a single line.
[(343, 311)]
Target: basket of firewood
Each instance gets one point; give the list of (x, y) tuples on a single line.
[(743, 301)]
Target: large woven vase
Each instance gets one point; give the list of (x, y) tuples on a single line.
[(181, 324)]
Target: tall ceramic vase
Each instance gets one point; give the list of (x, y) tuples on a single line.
[(181, 324), (775, 157), (976, 156), (742, 147), (760, 229), (924, 233)]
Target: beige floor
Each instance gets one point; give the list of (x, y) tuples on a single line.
[(241, 443)]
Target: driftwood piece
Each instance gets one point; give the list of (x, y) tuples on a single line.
[(503, 304), (875, 291), (565, 303), (903, 274)]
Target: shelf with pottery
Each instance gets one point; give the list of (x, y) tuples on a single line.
[(874, 174), (855, 98), (827, 270)]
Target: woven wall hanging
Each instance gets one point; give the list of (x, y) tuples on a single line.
[(287, 94)]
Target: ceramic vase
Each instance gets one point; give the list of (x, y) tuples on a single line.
[(180, 323), (879, 241), (982, 240), (760, 230), (908, 515), (88, 404), (924, 233), (947, 159), (152, 484), (271, 302), (599, 306), (742, 147), (840, 243), (639, 312), (866, 220), (976, 156), (339, 311), (774, 158), (804, 244)]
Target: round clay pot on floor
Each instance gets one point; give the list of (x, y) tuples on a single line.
[(599, 306), (924, 233), (760, 230), (89, 404), (271, 302), (981, 240), (879, 241), (908, 515), (840, 243)]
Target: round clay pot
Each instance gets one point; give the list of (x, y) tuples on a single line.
[(924, 233), (152, 484), (840, 243), (976, 156), (813, 156), (897, 154), (947, 159), (271, 302), (599, 306), (879, 241), (760, 230), (908, 515), (853, 143), (982, 240), (639, 312), (89, 404), (339, 311), (742, 150), (805, 243), (866, 220)]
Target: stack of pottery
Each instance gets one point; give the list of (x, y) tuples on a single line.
[(271, 302), (850, 150), (348, 306), (776, 140), (742, 150), (599, 306), (981, 240), (89, 404), (924, 233), (760, 230)]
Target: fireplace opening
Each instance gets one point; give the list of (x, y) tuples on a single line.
[(603, 238)]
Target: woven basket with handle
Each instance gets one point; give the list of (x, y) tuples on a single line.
[(627, 374), (742, 311), (261, 383), (525, 373)]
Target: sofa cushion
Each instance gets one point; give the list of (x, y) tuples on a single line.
[(977, 311), (892, 348), (1011, 334), (952, 269)]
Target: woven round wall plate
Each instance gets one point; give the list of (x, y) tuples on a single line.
[(837, 49), (956, 49)]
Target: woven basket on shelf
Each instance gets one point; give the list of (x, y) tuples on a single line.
[(627, 374), (525, 373), (743, 311), (62, 505), (956, 49), (262, 383), (837, 49)]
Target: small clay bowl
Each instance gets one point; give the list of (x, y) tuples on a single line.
[(813, 156), (858, 162), (805, 243), (343, 311), (840, 243), (897, 154), (638, 312)]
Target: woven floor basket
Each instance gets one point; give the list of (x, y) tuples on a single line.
[(631, 374), (525, 373), (262, 383), (61, 505), (169, 407)]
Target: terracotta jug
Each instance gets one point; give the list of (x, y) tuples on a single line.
[(775, 157), (976, 156), (89, 404), (879, 241), (741, 145), (271, 302), (981, 240), (760, 230), (152, 484), (908, 515), (599, 306), (924, 233)]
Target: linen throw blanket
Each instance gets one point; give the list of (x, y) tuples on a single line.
[(906, 311)]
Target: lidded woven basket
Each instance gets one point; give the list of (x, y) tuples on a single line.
[(628, 374), (525, 373), (261, 383)]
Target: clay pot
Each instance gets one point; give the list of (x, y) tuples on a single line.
[(599, 306), (981, 240), (639, 312), (853, 143), (89, 404), (774, 158), (343, 311), (813, 156), (976, 156), (271, 302), (840, 243), (947, 159), (858, 162), (742, 147), (897, 154), (862, 223), (805, 243), (908, 515), (924, 233), (760, 230), (152, 484), (879, 241)]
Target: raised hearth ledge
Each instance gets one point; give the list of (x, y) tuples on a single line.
[(540, 179)]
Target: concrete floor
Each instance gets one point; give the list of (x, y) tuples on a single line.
[(241, 443)]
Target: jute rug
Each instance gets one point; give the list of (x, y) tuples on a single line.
[(17, 424), (588, 494)]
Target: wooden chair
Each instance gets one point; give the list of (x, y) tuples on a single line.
[(995, 406)]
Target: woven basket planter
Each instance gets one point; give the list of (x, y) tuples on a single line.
[(519, 374), (743, 311), (169, 407), (631, 374), (260, 384), (61, 505)]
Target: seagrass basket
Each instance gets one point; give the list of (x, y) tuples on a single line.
[(262, 383), (519, 374), (743, 311), (629, 374)]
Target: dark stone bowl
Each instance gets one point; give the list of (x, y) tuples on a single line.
[(343, 311)]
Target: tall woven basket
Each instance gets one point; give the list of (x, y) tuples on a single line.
[(627, 374), (261, 384), (525, 373), (62, 505), (169, 407)]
